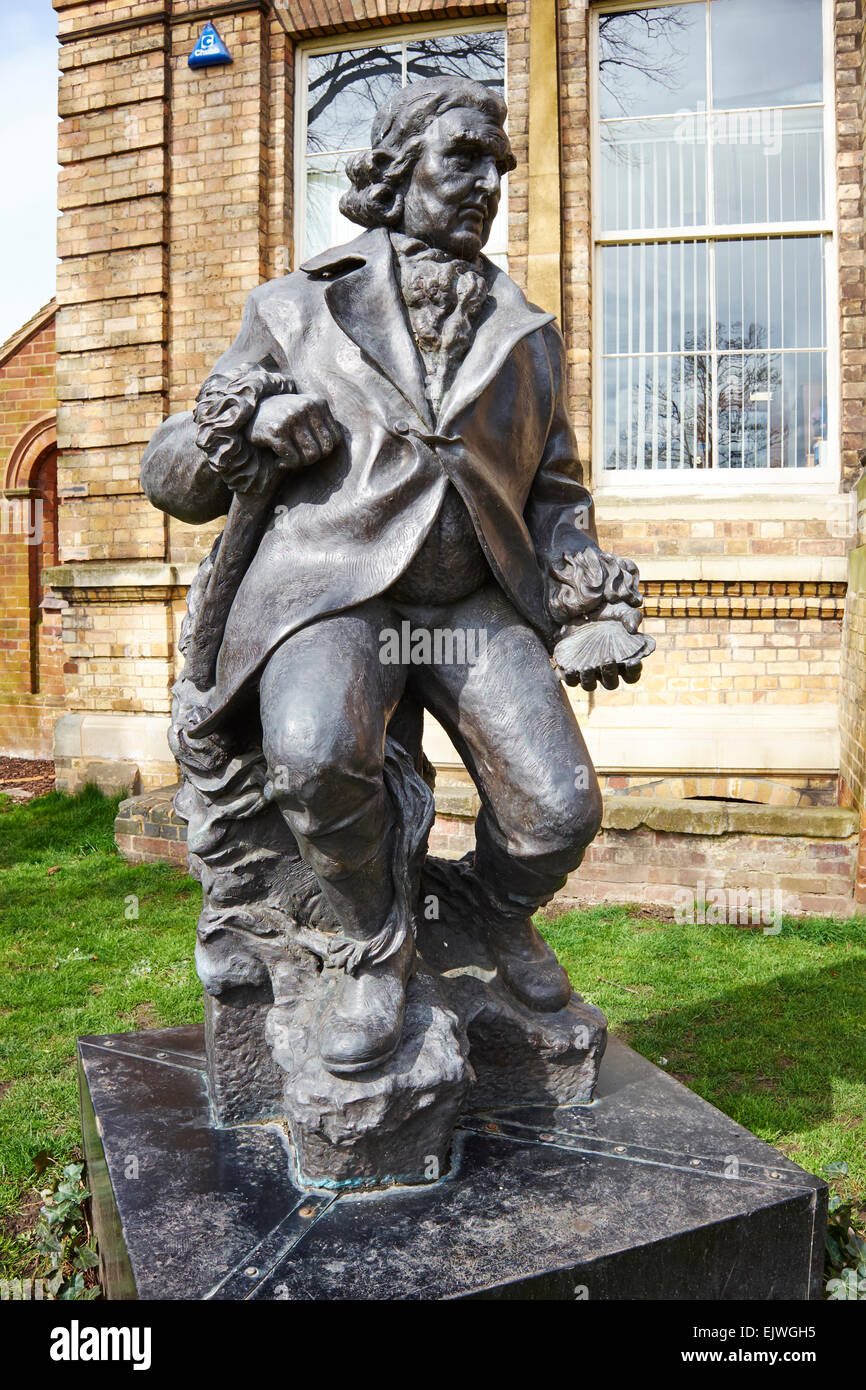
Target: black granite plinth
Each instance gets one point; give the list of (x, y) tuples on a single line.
[(647, 1193)]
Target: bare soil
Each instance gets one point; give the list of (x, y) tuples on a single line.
[(25, 778)]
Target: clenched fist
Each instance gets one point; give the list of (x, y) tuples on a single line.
[(299, 430)]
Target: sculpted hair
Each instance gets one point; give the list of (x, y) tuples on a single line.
[(379, 175)]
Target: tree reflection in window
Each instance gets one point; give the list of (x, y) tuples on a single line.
[(345, 88)]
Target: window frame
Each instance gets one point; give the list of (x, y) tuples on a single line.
[(333, 43), (821, 478)]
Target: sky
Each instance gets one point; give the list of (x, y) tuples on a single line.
[(28, 159)]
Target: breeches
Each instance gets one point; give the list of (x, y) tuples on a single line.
[(327, 694)]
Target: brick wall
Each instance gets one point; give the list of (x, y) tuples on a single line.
[(222, 132), (517, 40), (850, 63), (852, 712), (177, 198), (853, 705), (659, 852), (31, 681), (765, 860), (27, 390), (574, 21), (724, 661)]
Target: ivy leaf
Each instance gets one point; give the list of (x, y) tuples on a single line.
[(837, 1169), (841, 1288), (74, 1289)]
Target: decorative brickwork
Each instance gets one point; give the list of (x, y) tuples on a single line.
[(696, 598)]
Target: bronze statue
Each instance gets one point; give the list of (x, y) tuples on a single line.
[(389, 438)]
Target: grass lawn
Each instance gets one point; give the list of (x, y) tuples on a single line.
[(770, 1029), (74, 959)]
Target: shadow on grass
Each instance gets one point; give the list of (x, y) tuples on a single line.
[(781, 1057)]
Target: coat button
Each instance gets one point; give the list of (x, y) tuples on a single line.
[(402, 426)]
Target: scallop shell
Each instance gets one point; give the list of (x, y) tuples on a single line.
[(594, 645)]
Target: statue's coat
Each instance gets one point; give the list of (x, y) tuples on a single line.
[(345, 529)]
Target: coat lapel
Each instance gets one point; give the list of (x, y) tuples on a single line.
[(507, 317), (366, 302)]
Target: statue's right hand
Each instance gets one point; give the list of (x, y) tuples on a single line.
[(299, 430)]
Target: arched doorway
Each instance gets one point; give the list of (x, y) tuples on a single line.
[(31, 670)]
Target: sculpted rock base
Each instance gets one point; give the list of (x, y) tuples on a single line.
[(392, 1124), (468, 1045), (264, 945), (520, 1057)]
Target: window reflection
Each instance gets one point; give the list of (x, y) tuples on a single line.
[(714, 349), (766, 54), (650, 178), (737, 411), (344, 91), (745, 391), (652, 62), (656, 297), (768, 166), (325, 224), (772, 288), (480, 56)]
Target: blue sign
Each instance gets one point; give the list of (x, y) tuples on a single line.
[(209, 50)]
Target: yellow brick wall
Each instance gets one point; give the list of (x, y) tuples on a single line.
[(118, 668), (852, 710), (707, 661), (112, 280)]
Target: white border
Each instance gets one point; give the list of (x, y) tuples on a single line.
[(770, 482)]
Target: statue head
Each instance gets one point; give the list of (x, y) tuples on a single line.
[(438, 153)]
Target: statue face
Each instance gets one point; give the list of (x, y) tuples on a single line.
[(454, 189)]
